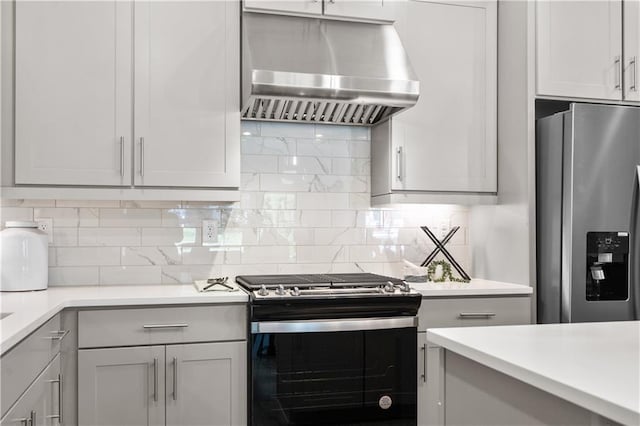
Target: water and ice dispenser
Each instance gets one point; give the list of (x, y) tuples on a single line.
[(607, 266)]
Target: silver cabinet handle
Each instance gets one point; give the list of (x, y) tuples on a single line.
[(618, 71), (175, 378), (152, 326), (476, 314), (141, 156), (60, 334), (59, 415), (399, 163), (33, 418), (121, 156), (423, 376), (155, 379), (633, 64)]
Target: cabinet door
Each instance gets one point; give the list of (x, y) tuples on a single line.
[(447, 141), (187, 114), (362, 9), (579, 48), (73, 93), (631, 49), (40, 403), (312, 7), (121, 386), (430, 383), (207, 384)]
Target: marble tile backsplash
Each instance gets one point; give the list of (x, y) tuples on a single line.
[(304, 208)]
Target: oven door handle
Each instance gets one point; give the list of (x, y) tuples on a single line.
[(326, 326)]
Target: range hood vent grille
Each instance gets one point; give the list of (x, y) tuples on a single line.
[(316, 111)]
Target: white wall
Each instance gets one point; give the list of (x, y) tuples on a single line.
[(305, 208)]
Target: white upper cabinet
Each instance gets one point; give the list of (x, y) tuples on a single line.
[(447, 141), (128, 94), (310, 7), (187, 120), (631, 37), (378, 10), (364, 9), (585, 49), (73, 93)]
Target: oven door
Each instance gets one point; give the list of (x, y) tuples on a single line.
[(346, 372)]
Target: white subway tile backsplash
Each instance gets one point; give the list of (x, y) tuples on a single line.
[(130, 217), (286, 182), (87, 256), (16, 213), (74, 275), (315, 218), (65, 237), (305, 208), (304, 165), (287, 130), (151, 255), (259, 163), (323, 148), (268, 254), (108, 237), (268, 145), (326, 201), (179, 237), (62, 216), (339, 236), (112, 275)]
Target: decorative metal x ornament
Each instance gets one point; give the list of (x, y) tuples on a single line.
[(440, 248)]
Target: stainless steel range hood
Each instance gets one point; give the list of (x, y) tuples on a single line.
[(323, 71)]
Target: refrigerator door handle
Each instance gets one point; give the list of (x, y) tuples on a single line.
[(634, 264)]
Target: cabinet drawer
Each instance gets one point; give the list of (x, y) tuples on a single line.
[(470, 312), (22, 364), (152, 326)]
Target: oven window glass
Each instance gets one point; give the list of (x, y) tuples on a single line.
[(345, 378)]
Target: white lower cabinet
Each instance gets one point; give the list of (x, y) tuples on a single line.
[(41, 403), (456, 312), (194, 384), (206, 384), (185, 374)]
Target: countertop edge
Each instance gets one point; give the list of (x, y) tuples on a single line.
[(6, 344), (576, 396)]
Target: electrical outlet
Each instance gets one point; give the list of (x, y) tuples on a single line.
[(46, 225), (209, 232)]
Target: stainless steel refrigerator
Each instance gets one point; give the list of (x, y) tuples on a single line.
[(587, 178)]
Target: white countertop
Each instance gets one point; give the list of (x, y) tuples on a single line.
[(476, 287), (593, 365), (29, 310)]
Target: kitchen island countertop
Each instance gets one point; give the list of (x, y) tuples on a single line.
[(29, 310), (593, 365)]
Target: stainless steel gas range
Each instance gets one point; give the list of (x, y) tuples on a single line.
[(332, 349)]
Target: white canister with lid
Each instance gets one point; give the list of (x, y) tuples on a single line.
[(24, 257)]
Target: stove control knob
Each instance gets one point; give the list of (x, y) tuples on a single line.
[(295, 291), (263, 291), (280, 290), (405, 287), (389, 287)]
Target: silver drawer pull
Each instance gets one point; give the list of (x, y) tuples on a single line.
[(60, 404), (152, 326), (60, 334), (476, 314)]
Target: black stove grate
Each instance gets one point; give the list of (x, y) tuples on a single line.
[(253, 282)]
